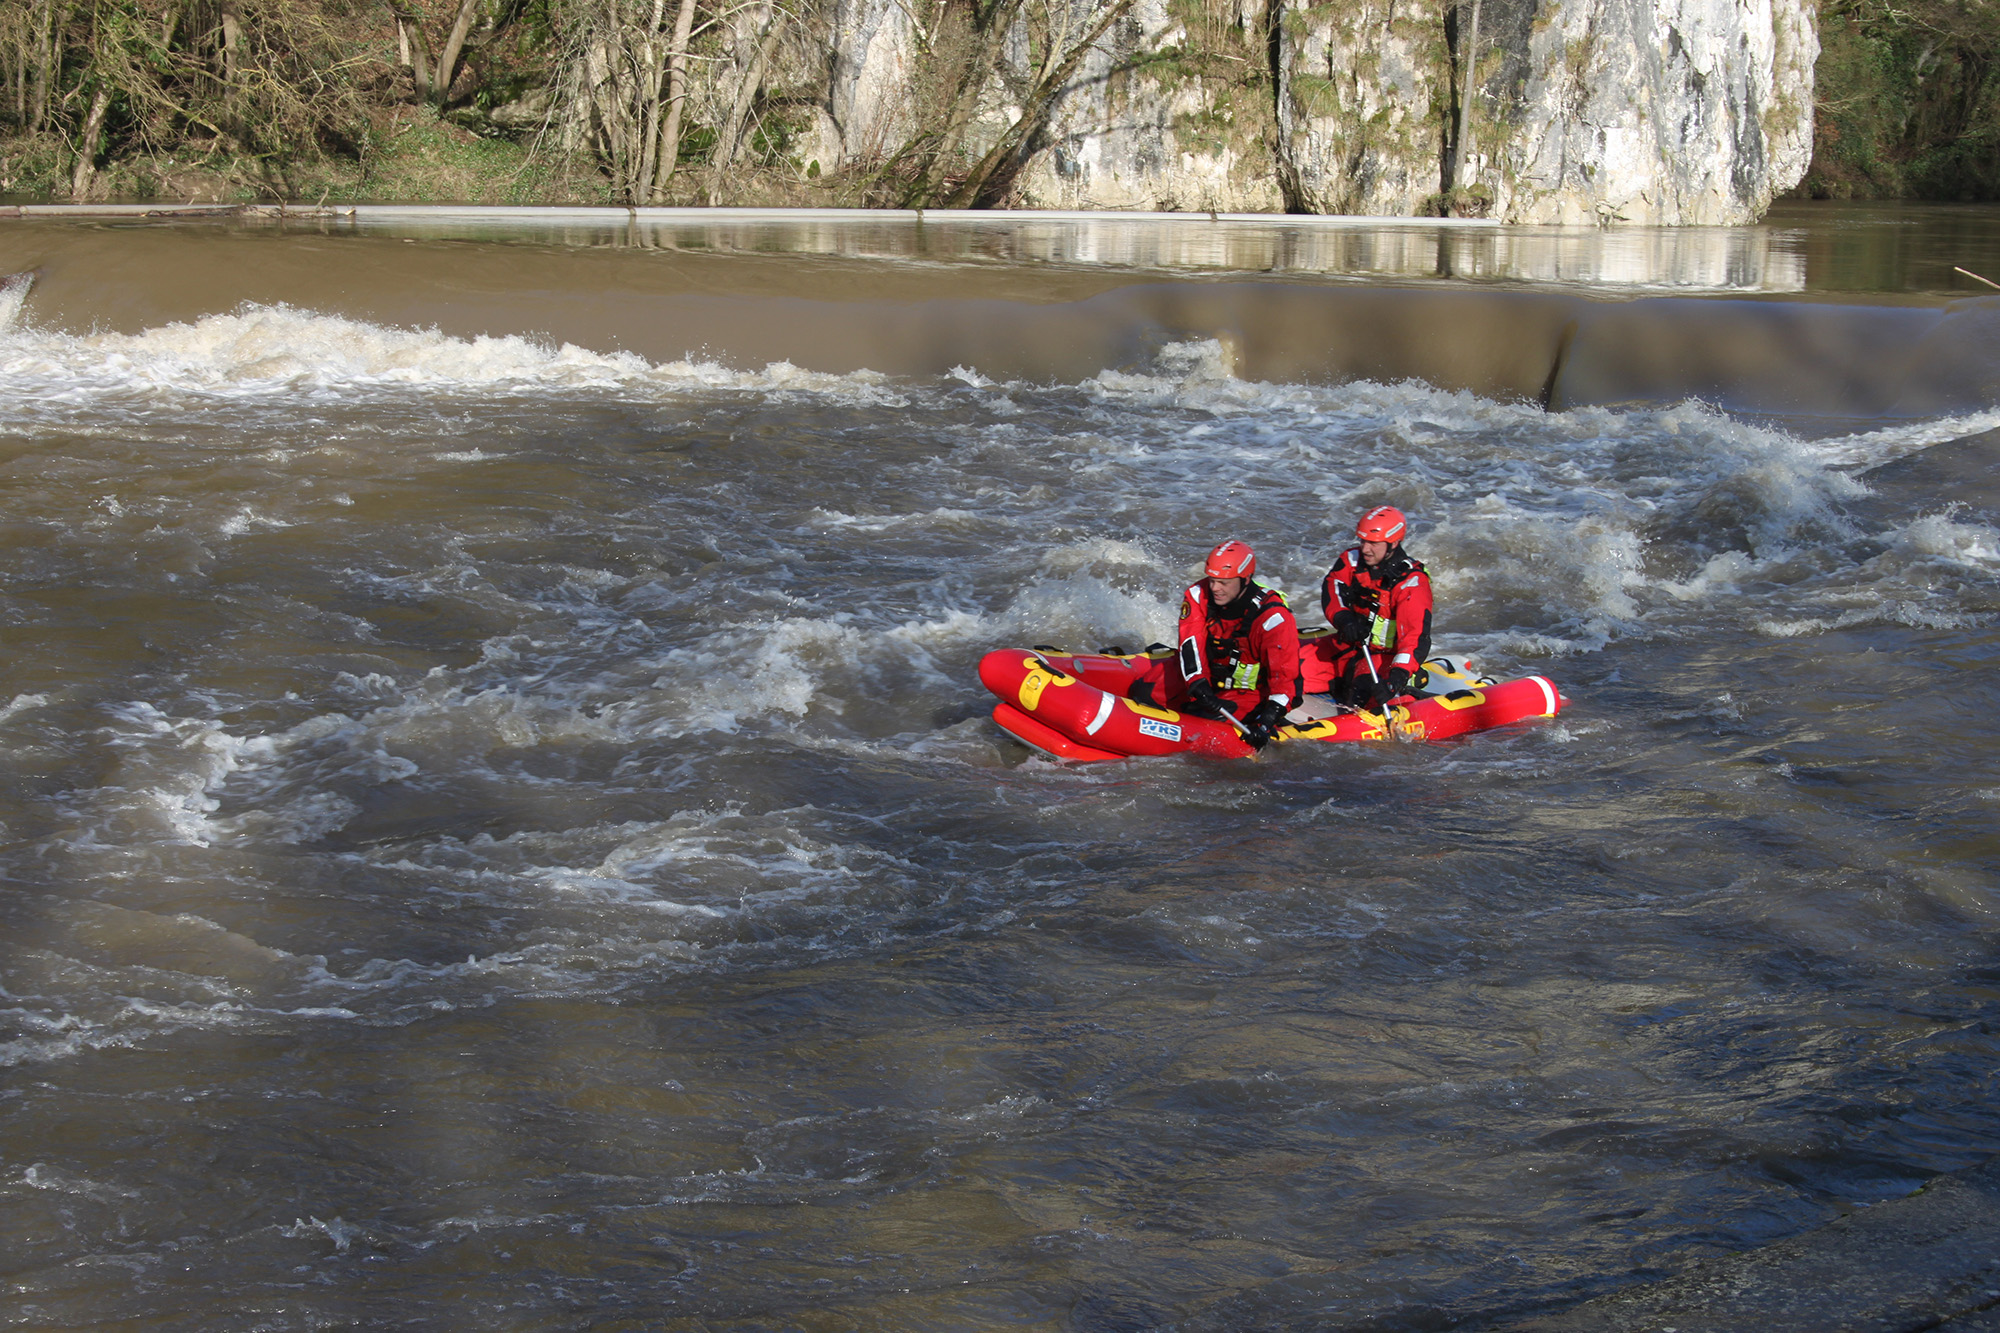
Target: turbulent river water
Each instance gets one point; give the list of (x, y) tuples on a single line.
[(502, 829)]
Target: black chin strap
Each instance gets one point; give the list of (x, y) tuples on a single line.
[(1395, 567), (1241, 605)]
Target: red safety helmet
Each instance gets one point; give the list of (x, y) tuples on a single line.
[(1384, 523), (1231, 560)]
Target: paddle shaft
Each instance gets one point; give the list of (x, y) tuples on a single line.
[(1368, 656)]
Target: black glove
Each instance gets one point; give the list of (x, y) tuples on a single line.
[(1263, 723), (1374, 695), (1350, 627), (1204, 701)]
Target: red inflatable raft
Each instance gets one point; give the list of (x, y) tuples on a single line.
[(1073, 706)]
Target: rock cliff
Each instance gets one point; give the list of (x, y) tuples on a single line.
[(1670, 112)]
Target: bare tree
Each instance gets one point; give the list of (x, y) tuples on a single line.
[(754, 54), (960, 44), (412, 47), (87, 145), (992, 178), (669, 138), (1468, 76), (256, 82)]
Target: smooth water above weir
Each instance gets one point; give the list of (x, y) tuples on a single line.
[(502, 831), (1800, 248)]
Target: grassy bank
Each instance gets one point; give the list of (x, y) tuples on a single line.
[(409, 156)]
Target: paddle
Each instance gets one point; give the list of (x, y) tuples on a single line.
[(1237, 723), (1368, 656)]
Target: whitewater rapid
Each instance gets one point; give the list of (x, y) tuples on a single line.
[(524, 818)]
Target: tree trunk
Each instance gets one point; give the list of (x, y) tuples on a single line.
[(86, 153), (20, 76), (652, 73), (41, 67), (448, 57), (626, 124), (978, 71), (607, 119), (416, 52), (729, 144), (670, 132), (990, 180), (1468, 72), (232, 38)]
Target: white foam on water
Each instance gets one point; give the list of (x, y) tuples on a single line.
[(90, 1009), (13, 291), (22, 703), (1069, 514), (740, 875), (603, 907), (246, 519), (1935, 539), (167, 767), (341, 1232), (306, 781), (1502, 493), (42, 1176), (930, 519), (1873, 448), (1938, 571), (1571, 531), (261, 350)]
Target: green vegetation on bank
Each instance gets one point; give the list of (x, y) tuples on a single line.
[(1908, 101), (485, 101), (411, 156), (511, 101)]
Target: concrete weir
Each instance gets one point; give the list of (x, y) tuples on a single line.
[(1930, 1260), (1053, 297)]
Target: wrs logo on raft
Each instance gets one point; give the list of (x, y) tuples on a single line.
[(1166, 731)]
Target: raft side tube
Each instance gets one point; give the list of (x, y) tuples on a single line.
[(1046, 739), (1098, 718)]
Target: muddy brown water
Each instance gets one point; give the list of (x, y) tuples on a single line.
[(501, 828)]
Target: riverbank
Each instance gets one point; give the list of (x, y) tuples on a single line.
[(408, 154), (877, 104)]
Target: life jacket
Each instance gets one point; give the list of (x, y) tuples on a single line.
[(1363, 592), (1228, 636)]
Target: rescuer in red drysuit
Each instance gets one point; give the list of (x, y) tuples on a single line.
[(1238, 649), (1376, 595)]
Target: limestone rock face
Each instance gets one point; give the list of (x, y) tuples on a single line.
[(1673, 112), (871, 62), (1146, 125), (1363, 107), (1662, 111)]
